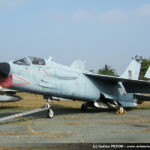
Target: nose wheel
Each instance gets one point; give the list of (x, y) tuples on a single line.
[(50, 113)]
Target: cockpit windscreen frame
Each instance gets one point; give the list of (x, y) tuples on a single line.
[(27, 61)]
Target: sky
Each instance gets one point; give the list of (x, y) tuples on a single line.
[(97, 31)]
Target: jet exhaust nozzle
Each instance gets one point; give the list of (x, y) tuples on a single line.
[(4, 69)]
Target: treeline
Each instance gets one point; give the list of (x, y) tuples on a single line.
[(108, 70)]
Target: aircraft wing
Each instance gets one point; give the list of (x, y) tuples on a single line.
[(8, 95), (131, 86), (142, 97), (7, 91)]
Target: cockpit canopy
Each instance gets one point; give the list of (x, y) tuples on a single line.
[(37, 61), (30, 60), (22, 61)]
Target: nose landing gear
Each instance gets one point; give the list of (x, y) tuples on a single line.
[(50, 112)]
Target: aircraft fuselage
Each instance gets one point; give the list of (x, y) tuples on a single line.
[(54, 80)]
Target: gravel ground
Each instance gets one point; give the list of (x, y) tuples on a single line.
[(74, 126)]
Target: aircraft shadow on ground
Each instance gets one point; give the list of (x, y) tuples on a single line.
[(59, 110)]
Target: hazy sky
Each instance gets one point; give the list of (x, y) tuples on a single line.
[(97, 31)]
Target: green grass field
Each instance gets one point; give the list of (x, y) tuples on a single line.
[(31, 101)]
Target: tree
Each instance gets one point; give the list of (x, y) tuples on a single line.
[(144, 67), (107, 70)]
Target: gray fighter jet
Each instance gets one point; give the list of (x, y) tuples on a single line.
[(56, 81)]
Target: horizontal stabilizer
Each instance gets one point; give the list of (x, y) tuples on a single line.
[(142, 97)]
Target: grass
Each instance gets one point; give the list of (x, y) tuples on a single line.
[(31, 101), (145, 105)]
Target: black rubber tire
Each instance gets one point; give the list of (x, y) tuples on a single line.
[(84, 107), (50, 113)]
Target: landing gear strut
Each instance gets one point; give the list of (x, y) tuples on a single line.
[(84, 106), (120, 108), (50, 113)]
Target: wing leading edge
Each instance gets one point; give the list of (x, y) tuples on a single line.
[(131, 86)]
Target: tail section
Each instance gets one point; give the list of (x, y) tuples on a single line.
[(133, 70), (78, 64), (147, 75)]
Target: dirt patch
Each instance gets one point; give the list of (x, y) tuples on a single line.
[(75, 117), (146, 130), (60, 134), (77, 123)]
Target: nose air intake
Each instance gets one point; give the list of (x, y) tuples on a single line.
[(4, 69)]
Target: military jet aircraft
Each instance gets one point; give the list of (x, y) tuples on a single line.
[(53, 80)]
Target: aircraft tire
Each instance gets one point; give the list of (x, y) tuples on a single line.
[(120, 110), (50, 113), (84, 107)]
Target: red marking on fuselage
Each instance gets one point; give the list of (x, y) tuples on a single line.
[(46, 73), (26, 82)]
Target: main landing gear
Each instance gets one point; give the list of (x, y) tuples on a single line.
[(119, 108), (84, 107)]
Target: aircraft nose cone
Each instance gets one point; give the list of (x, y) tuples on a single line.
[(4, 69)]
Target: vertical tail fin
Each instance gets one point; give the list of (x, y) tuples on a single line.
[(133, 70), (78, 64), (147, 75)]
